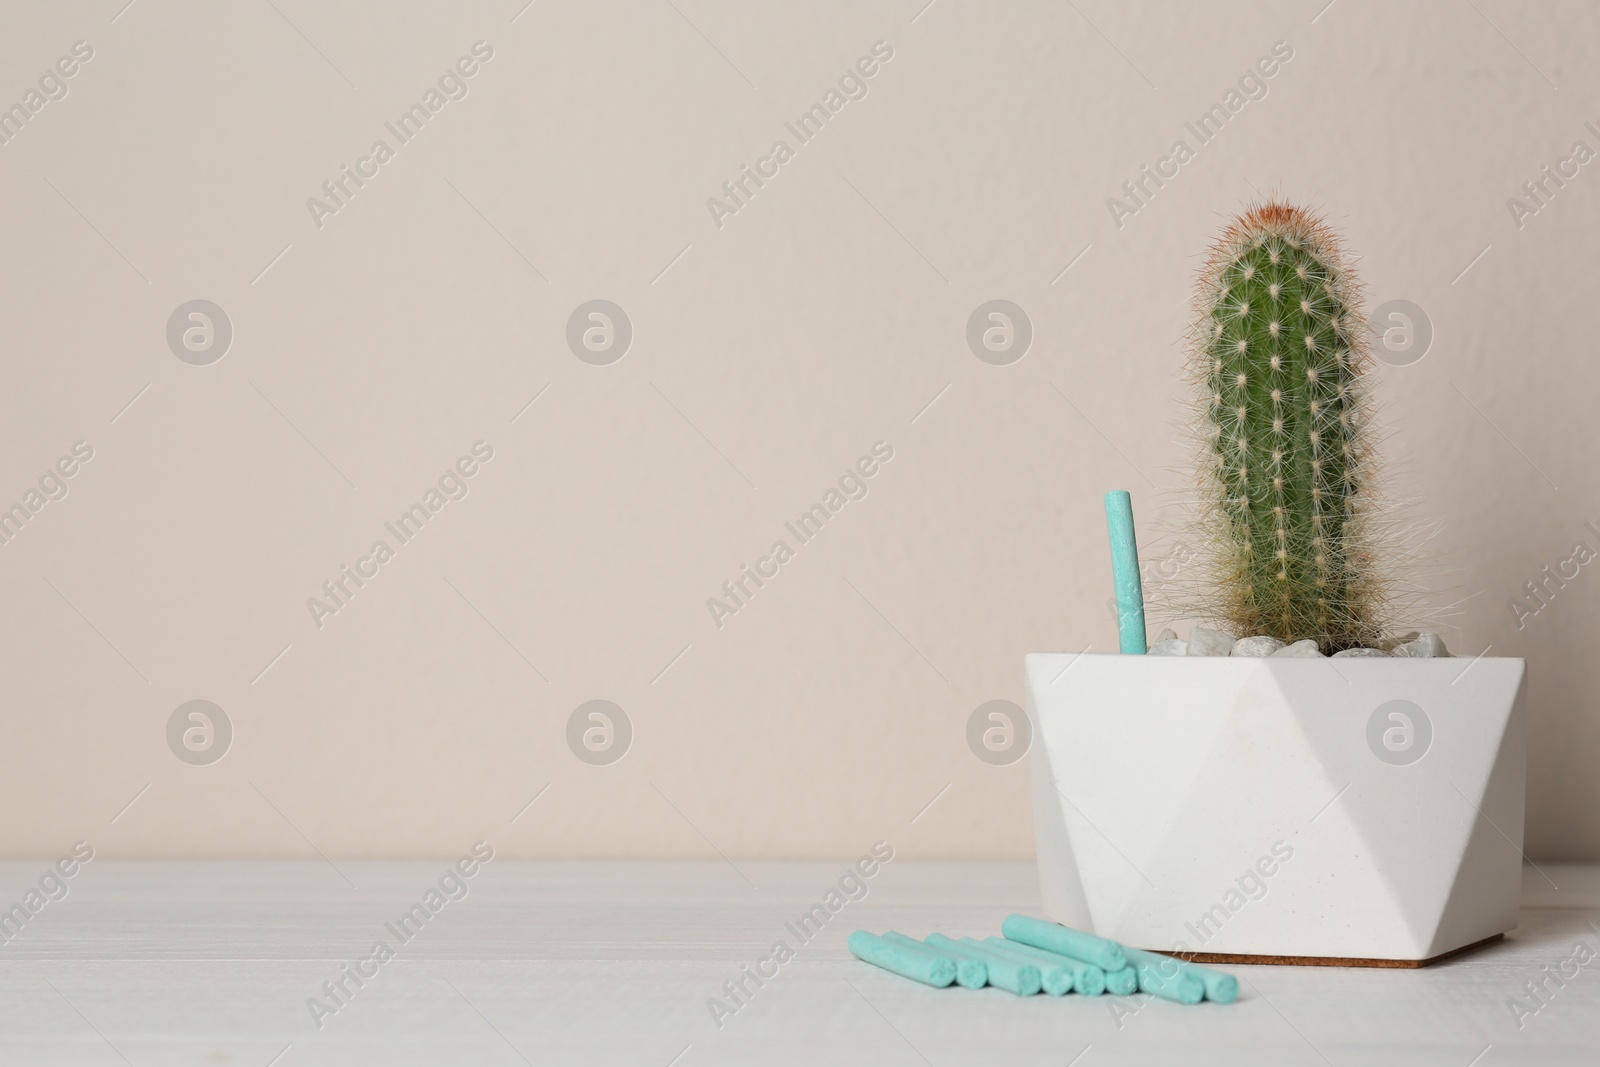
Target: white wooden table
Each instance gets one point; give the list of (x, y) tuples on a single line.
[(613, 963)]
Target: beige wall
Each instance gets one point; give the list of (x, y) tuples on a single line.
[(768, 354)]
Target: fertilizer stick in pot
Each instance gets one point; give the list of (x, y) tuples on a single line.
[(1125, 571)]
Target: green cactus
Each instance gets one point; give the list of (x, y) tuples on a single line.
[(1279, 353)]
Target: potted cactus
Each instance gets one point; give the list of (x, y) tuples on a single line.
[(1296, 780)]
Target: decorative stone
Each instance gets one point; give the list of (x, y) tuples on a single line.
[(1169, 634), (1389, 644), (1306, 649), (1361, 653), (1428, 646), (1169, 646), (1256, 646), (1205, 642)]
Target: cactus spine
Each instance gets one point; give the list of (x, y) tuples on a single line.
[(1279, 351)]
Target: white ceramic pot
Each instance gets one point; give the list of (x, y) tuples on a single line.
[(1354, 808)]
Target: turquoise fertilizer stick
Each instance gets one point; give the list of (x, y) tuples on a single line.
[(1065, 941), (1125, 571), (1087, 978), (937, 970), (1169, 983), (1081, 977), (1222, 988), (1121, 983), (970, 974), (1004, 972), (1053, 978)]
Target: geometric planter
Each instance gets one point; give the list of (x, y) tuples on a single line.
[(1353, 810)]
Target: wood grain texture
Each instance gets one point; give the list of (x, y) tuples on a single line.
[(613, 963)]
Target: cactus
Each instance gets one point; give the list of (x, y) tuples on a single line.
[(1278, 355)]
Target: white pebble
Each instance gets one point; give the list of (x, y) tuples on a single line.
[(1389, 644), (1361, 653), (1306, 649), (1427, 646), (1256, 646), (1169, 634), (1168, 646), (1205, 642)]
